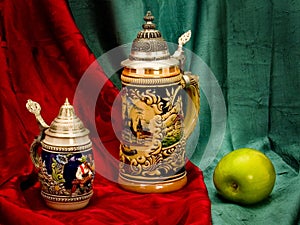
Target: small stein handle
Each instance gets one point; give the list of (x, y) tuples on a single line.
[(35, 109), (191, 84), (34, 152)]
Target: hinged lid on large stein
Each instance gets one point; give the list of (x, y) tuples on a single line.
[(65, 163), (155, 122)]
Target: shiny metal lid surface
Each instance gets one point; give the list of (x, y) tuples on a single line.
[(149, 49), (66, 129)]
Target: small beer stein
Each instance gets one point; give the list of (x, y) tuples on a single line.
[(65, 162)]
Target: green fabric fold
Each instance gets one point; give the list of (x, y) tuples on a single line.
[(252, 49)]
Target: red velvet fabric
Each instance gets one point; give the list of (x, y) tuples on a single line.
[(42, 57)]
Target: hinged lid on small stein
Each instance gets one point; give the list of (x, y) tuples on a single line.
[(65, 164)]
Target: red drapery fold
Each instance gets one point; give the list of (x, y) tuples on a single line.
[(42, 57)]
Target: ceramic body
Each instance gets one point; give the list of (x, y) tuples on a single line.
[(155, 96), (65, 163)]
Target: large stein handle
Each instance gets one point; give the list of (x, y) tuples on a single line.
[(191, 84), (35, 109)]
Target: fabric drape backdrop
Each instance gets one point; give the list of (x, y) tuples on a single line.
[(43, 56), (252, 48)]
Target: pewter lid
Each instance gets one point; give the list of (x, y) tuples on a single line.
[(149, 49), (66, 129)]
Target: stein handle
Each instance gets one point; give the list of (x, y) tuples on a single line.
[(35, 109), (191, 84), (34, 152)]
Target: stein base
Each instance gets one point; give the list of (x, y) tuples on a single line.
[(67, 206), (64, 203), (159, 187)]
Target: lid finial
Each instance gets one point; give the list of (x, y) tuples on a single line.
[(67, 101), (148, 19)]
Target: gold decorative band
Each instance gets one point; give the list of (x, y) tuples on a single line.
[(150, 81), (150, 72), (55, 149), (57, 198), (152, 180)]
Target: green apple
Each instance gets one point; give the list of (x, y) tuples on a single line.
[(244, 176)]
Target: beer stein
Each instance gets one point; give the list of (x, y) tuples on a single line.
[(160, 106), (63, 155)]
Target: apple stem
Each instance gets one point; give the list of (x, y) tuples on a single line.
[(234, 186)]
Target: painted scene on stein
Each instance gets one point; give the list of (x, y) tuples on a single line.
[(152, 131), (67, 174)]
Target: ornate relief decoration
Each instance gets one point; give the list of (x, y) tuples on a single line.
[(66, 175), (152, 138)]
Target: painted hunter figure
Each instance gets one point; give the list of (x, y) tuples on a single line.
[(84, 176)]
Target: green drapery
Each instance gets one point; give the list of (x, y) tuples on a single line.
[(252, 48)]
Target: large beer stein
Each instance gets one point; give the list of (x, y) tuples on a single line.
[(160, 106), (65, 162)]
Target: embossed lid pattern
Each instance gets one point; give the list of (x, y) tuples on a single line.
[(149, 46), (67, 124)]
